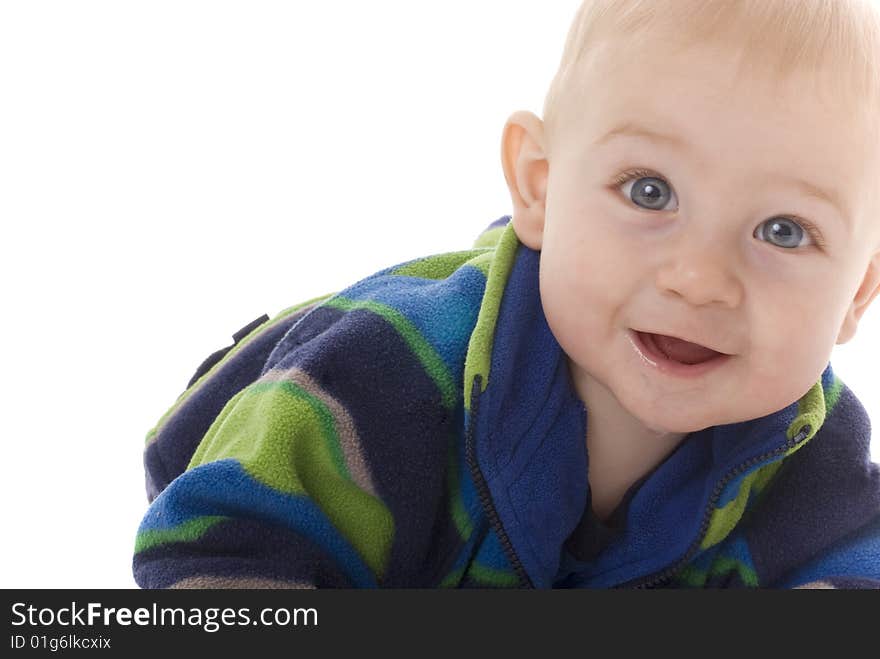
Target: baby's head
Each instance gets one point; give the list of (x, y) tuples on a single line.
[(710, 170)]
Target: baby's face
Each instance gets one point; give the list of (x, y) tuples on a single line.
[(715, 242)]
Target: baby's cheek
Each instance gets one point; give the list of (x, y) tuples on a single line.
[(775, 382)]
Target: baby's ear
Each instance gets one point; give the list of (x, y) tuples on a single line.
[(868, 290), (524, 160)]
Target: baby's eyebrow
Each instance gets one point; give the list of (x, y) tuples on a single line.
[(632, 129)]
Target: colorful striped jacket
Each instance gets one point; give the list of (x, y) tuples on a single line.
[(419, 429)]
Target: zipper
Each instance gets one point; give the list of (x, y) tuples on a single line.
[(655, 579), (483, 490)]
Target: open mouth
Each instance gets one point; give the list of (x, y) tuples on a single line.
[(676, 356), (678, 350)]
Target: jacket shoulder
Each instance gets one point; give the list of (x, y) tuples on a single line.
[(418, 315), (819, 521), (351, 419)]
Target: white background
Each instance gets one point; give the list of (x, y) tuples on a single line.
[(170, 171)]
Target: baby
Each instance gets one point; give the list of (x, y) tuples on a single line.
[(625, 383)]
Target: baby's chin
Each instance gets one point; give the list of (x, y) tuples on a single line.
[(667, 428), (677, 429), (668, 421)]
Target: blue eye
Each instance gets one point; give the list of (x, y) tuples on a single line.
[(651, 192), (781, 231)]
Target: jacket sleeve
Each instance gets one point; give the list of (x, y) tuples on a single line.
[(263, 499)]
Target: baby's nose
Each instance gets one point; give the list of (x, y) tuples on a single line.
[(701, 279)]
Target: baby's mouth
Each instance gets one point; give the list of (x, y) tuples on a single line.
[(678, 350)]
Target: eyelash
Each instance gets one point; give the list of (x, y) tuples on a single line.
[(631, 174)]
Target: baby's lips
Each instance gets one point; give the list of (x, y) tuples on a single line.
[(683, 351)]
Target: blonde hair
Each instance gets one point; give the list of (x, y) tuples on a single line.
[(775, 36)]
